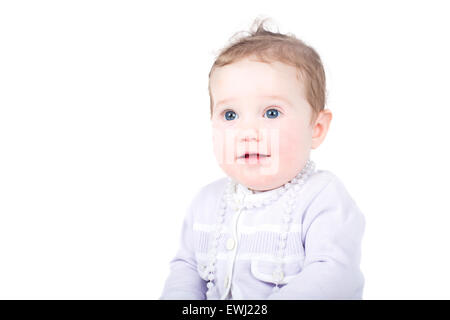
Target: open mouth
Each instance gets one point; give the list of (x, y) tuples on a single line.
[(253, 156)]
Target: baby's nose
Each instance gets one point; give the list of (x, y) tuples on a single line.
[(249, 135)]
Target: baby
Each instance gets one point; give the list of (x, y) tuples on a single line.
[(275, 227)]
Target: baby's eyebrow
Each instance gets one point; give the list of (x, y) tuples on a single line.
[(275, 97), (224, 101)]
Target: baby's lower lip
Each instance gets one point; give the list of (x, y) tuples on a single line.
[(254, 158)]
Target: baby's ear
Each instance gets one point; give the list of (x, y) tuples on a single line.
[(320, 128)]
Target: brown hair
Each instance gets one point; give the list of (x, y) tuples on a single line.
[(270, 46)]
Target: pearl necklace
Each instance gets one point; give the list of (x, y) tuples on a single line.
[(291, 189)]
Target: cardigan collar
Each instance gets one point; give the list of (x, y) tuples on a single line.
[(242, 196)]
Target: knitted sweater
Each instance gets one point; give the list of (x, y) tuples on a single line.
[(322, 254)]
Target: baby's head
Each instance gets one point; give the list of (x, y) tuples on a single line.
[(267, 100)]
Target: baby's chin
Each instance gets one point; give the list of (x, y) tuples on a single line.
[(257, 182), (260, 187), (263, 177)]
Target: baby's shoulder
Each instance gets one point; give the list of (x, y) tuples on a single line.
[(207, 195), (325, 187), (320, 180)]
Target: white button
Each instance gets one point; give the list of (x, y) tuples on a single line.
[(227, 280), (230, 244), (278, 276)]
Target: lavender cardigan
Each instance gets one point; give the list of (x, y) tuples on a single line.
[(322, 255)]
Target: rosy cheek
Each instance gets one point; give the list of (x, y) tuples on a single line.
[(290, 143), (219, 144), (224, 145)]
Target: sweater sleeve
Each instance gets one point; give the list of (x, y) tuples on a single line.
[(333, 227), (184, 282)]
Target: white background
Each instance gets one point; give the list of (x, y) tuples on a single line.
[(105, 136)]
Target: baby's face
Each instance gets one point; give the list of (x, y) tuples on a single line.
[(260, 109)]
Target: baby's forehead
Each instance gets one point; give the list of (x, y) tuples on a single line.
[(239, 90), (247, 66), (253, 80), (256, 76)]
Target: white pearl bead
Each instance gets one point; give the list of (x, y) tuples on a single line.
[(210, 285)]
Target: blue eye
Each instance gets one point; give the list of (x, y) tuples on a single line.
[(230, 115), (272, 113)]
